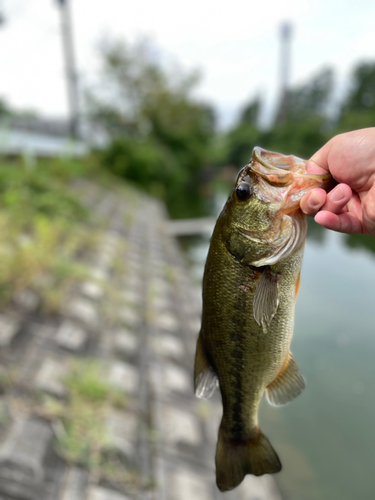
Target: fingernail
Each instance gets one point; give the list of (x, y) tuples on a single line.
[(337, 194), (314, 202)]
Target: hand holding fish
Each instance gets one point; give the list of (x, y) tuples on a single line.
[(350, 206)]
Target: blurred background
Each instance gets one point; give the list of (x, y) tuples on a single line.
[(122, 128)]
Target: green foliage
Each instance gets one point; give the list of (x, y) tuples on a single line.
[(241, 141), (4, 109), (160, 135), (311, 99), (303, 131), (40, 191), (301, 139), (358, 109), (361, 96), (42, 230), (250, 114), (48, 248), (86, 380)]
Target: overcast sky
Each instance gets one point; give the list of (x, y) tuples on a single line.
[(234, 43)]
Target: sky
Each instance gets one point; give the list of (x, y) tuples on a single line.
[(234, 44)]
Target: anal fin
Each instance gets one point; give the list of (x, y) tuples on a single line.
[(205, 379), (266, 299), (287, 385)]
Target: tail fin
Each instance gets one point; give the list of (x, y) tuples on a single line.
[(236, 459)]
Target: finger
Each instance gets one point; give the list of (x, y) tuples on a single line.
[(337, 198), (369, 211), (313, 168), (313, 201), (342, 223), (318, 163)]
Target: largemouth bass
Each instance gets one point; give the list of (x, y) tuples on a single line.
[(250, 285)]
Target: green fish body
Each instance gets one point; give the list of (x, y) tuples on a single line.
[(250, 284)]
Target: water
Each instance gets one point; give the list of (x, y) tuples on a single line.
[(326, 437)]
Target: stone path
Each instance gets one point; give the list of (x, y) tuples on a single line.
[(139, 314)]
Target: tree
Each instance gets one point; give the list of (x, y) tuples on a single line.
[(159, 134), (302, 133), (311, 99), (245, 135), (358, 108)]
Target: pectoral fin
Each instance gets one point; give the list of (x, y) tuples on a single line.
[(266, 297), (205, 379), (287, 385)]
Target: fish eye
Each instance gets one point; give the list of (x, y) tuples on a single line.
[(243, 191)]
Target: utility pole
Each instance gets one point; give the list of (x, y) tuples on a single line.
[(285, 45), (2, 17), (70, 67)]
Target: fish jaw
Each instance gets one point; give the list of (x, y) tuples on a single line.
[(302, 184), (284, 178)]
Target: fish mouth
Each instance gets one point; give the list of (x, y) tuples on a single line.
[(284, 178), (281, 169)]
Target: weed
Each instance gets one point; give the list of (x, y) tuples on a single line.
[(82, 436), (170, 275)]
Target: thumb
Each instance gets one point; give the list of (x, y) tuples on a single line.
[(318, 163)]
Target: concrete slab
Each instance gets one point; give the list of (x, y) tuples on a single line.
[(75, 484), (125, 341), (71, 336), (130, 317), (168, 345), (186, 485), (27, 299), (180, 426), (49, 377), (23, 452), (82, 310), (9, 327), (121, 428), (99, 493), (92, 290), (177, 379), (123, 376), (167, 322)]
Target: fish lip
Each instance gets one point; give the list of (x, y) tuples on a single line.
[(257, 155), (257, 152)]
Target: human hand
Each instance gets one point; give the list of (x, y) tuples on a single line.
[(350, 206)]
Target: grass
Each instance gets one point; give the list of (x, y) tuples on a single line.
[(43, 229), (80, 421), (87, 380)]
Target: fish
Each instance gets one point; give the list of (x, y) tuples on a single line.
[(250, 285)]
